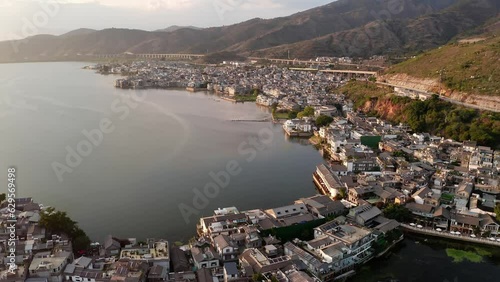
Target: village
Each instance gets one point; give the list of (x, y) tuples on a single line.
[(379, 181)]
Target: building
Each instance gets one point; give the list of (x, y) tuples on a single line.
[(328, 183), (155, 252), (323, 206), (226, 247), (231, 272), (205, 257), (50, 265)]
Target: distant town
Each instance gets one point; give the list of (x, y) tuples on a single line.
[(379, 181)]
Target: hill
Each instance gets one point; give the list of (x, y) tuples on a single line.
[(433, 116), (469, 65), (394, 35), (173, 28), (404, 25)]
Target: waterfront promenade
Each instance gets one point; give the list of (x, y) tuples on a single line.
[(444, 234)]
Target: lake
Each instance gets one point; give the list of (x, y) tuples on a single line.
[(157, 148)]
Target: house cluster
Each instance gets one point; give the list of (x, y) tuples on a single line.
[(244, 241), (288, 88), (27, 253), (230, 246), (40, 258), (447, 185)]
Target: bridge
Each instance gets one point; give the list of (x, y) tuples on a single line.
[(310, 62), (348, 74)]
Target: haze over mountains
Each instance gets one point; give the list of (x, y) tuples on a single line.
[(341, 28)]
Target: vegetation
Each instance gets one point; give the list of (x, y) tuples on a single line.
[(57, 222), (258, 277), (2, 197), (323, 120), (460, 255), (362, 92), (465, 67), (447, 198), (397, 212), (303, 231), (307, 112), (246, 98), (433, 115), (407, 157), (497, 211), (280, 114)]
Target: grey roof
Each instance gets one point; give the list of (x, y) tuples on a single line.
[(370, 214), (83, 261), (387, 226), (70, 269), (111, 242), (323, 241), (419, 208), (231, 268)]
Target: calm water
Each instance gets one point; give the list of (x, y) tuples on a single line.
[(132, 182), (425, 259)]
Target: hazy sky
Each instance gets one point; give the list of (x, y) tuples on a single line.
[(22, 18)]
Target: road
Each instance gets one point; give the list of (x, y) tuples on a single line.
[(445, 234), (493, 108)]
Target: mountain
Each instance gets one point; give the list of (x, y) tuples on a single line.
[(173, 28), (391, 26), (394, 36)]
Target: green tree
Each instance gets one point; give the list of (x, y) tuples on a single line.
[(497, 211), (323, 120), (307, 112), (292, 114), (397, 212), (58, 222), (2, 197), (258, 277)]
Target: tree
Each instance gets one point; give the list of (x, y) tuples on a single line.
[(258, 277), (2, 197), (307, 112), (323, 120), (497, 211), (58, 222), (292, 114), (397, 212)]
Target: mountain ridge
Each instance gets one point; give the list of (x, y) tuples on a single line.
[(317, 31)]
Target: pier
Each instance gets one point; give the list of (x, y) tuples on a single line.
[(251, 120)]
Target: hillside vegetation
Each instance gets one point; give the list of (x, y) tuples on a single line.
[(466, 67), (433, 116)]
